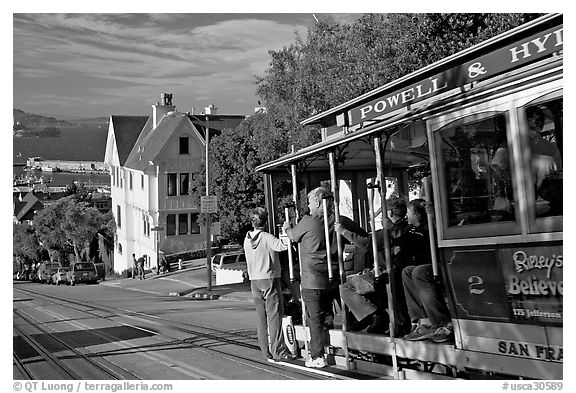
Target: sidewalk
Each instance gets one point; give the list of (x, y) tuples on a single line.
[(181, 284), (236, 292)]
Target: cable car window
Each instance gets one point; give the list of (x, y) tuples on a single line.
[(477, 171), (543, 124)]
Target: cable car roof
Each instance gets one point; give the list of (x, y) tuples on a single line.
[(401, 153)]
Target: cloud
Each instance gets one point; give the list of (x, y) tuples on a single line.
[(136, 54)]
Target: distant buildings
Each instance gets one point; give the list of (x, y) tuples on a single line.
[(28, 200), (151, 159)]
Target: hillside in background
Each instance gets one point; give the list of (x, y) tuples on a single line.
[(29, 124)]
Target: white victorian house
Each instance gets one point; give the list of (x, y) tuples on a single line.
[(150, 160)]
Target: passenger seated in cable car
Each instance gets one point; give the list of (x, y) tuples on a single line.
[(362, 292), (426, 304)]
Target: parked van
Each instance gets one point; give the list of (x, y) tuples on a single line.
[(227, 258), (46, 270)]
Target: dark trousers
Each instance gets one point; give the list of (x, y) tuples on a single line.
[(400, 307), (318, 303), (267, 297), (424, 296)]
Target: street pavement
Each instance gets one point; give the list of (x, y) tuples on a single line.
[(191, 281)]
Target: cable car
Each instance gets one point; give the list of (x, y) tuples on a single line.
[(485, 127)]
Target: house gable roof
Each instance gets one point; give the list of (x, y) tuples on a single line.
[(151, 141), (126, 132), (26, 211)]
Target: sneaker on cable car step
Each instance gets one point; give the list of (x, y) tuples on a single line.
[(315, 363), (420, 332), (443, 334)]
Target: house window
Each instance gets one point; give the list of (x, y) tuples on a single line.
[(184, 145), (170, 224), (142, 181), (118, 216), (182, 224), (119, 248), (195, 227), (172, 184), (184, 184), (146, 225), (130, 179)]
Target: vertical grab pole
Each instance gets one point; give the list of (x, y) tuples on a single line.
[(334, 185), (431, 233), (360, 217), (390, 287), (327, 236), (297, 219), (365, 213), (371, 188), (336, 194), (290, 257)]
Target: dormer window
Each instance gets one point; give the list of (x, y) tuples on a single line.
[(184, 145)]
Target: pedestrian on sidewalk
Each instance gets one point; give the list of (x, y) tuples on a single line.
[(261, 249), (141, 273), (134, 266)]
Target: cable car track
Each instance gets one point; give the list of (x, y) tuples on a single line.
[(19, 364), (55, 361), (209, 333)]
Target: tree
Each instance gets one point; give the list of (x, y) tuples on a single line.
[(67, 225), (232, 176), (26, 247), (80, 224), (333, 64), (47, 228)]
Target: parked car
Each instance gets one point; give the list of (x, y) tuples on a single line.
[(227, 258), (46, 270), (82, 272), (61, 276)]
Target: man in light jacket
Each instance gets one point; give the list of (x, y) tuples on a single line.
[(261, 249)]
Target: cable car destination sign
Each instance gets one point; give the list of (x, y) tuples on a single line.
[(491, 64)]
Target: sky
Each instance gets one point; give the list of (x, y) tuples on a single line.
[(71, 60), (94, 64)]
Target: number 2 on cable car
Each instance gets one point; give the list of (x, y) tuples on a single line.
[(476, 281)]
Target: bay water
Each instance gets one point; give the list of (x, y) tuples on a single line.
[(74, 144)]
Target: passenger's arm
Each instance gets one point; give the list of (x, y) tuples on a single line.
[(275, 244), (296, 233), (359, 240)]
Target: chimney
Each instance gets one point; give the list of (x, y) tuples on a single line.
[(162, 108), (211, 110)]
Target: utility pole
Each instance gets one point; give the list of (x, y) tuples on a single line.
[(208, 217)]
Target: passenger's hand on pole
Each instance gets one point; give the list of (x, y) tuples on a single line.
[(338, 227), (286, 225), (429, 208)]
